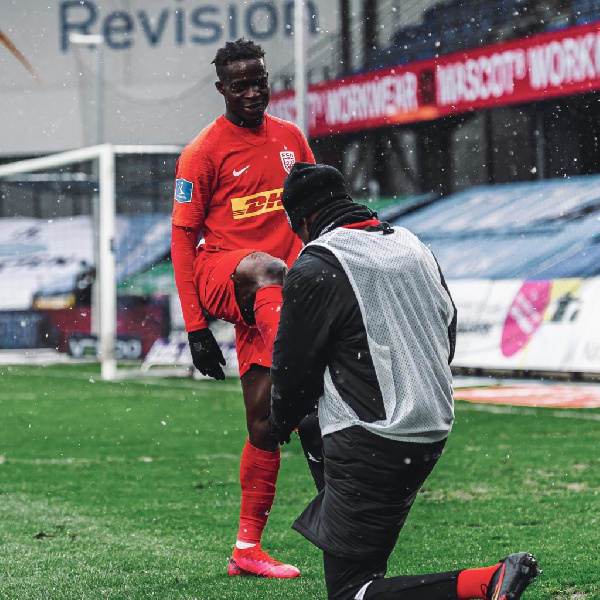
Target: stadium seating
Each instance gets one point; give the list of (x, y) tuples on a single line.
[(63, 249), (455, 26), (586, 11), (537, 230)]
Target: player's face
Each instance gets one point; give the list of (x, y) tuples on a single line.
[(245, 87)]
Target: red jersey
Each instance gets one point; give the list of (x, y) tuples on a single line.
[(228, 187), (232, 183)]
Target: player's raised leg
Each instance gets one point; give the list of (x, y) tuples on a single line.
[(258, 281)]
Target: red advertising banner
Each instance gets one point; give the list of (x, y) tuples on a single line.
[(360, 102), (548, 65)]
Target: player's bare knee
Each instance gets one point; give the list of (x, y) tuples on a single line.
[(272, 271), (258, 270)]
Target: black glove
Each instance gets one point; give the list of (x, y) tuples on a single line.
[(206, 354), (282, 436)]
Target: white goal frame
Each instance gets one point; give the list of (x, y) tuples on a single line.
[(106, 267)]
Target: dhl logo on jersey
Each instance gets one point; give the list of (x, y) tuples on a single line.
[(257, 204)]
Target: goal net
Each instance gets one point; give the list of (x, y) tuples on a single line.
[(84, 254)]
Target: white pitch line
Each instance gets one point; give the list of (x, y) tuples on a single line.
[(21, 397), (172, 383), (213, 456), (63, 461), (6, 460), (189, 384)]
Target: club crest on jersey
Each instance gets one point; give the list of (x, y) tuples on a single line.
[(287, 160)]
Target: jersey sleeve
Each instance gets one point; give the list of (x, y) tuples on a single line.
[(183, 254), (195, 179)]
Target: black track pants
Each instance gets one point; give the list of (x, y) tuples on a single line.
[(344, 580)]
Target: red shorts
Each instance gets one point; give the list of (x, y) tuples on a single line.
[(212, 277)]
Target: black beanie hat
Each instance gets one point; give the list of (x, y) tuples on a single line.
[(308, 188)]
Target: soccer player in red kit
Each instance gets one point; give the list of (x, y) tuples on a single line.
[(228, 188)]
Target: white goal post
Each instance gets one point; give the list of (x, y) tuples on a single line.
[(106, 298)]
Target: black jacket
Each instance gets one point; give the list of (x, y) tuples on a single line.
[(322, 325)]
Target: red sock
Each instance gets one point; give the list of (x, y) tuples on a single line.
[(267, 308), (258, 476), (470, 582)]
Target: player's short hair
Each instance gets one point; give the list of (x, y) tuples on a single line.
[(241, 49)]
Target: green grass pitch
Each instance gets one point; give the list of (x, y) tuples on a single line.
[(130, 490)]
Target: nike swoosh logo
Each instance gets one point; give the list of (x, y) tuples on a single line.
[(238, 173)]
